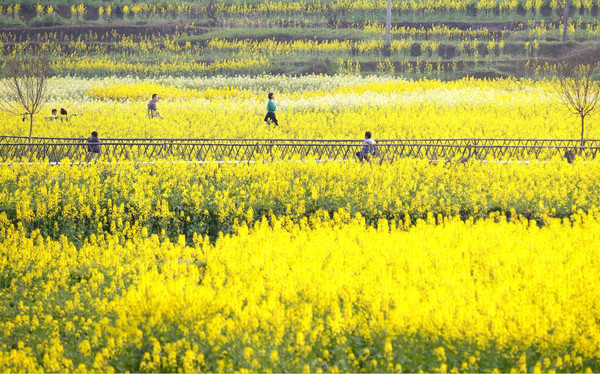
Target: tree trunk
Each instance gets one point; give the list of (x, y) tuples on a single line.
[(565, 20), (30, 126), (388, 23), (582, 128)]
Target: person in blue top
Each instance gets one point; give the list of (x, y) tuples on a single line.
[(152, 109), (271, 107), (64, 116), (53, 117)]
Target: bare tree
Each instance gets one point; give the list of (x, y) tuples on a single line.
[(388, 22), (579, 92), (388, 27), (212, 11), (25, 91)]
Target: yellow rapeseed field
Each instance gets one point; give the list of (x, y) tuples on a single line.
[(170, 199), (308, 107), (301, 266), (322, 295)]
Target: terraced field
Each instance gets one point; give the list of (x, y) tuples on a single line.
[(446, 40)]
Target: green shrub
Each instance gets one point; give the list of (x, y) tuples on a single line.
[(10, 22), (48, 20)]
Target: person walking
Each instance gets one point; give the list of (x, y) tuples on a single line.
[(271, 108), (369, 148), (152, 109)]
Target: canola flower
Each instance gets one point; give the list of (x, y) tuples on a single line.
[(187, 54), (300, 266), (273, 47), (323, 295), (434, 32), (85, 65), (156, 9), (172, 199), (421, 7), (309, 107)]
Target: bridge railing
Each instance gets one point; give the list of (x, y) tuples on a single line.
[(252, 149), (4, 139)]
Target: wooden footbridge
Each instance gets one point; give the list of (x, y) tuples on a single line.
[(388, 150)]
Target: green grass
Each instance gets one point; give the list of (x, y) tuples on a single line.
[(6, 21), (281, 34)]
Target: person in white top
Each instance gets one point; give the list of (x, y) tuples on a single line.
[(369, 148)]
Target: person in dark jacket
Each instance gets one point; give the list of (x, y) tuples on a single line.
[(271, 107), (94, 144)]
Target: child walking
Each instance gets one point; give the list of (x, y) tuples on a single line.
[(271, 107)]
